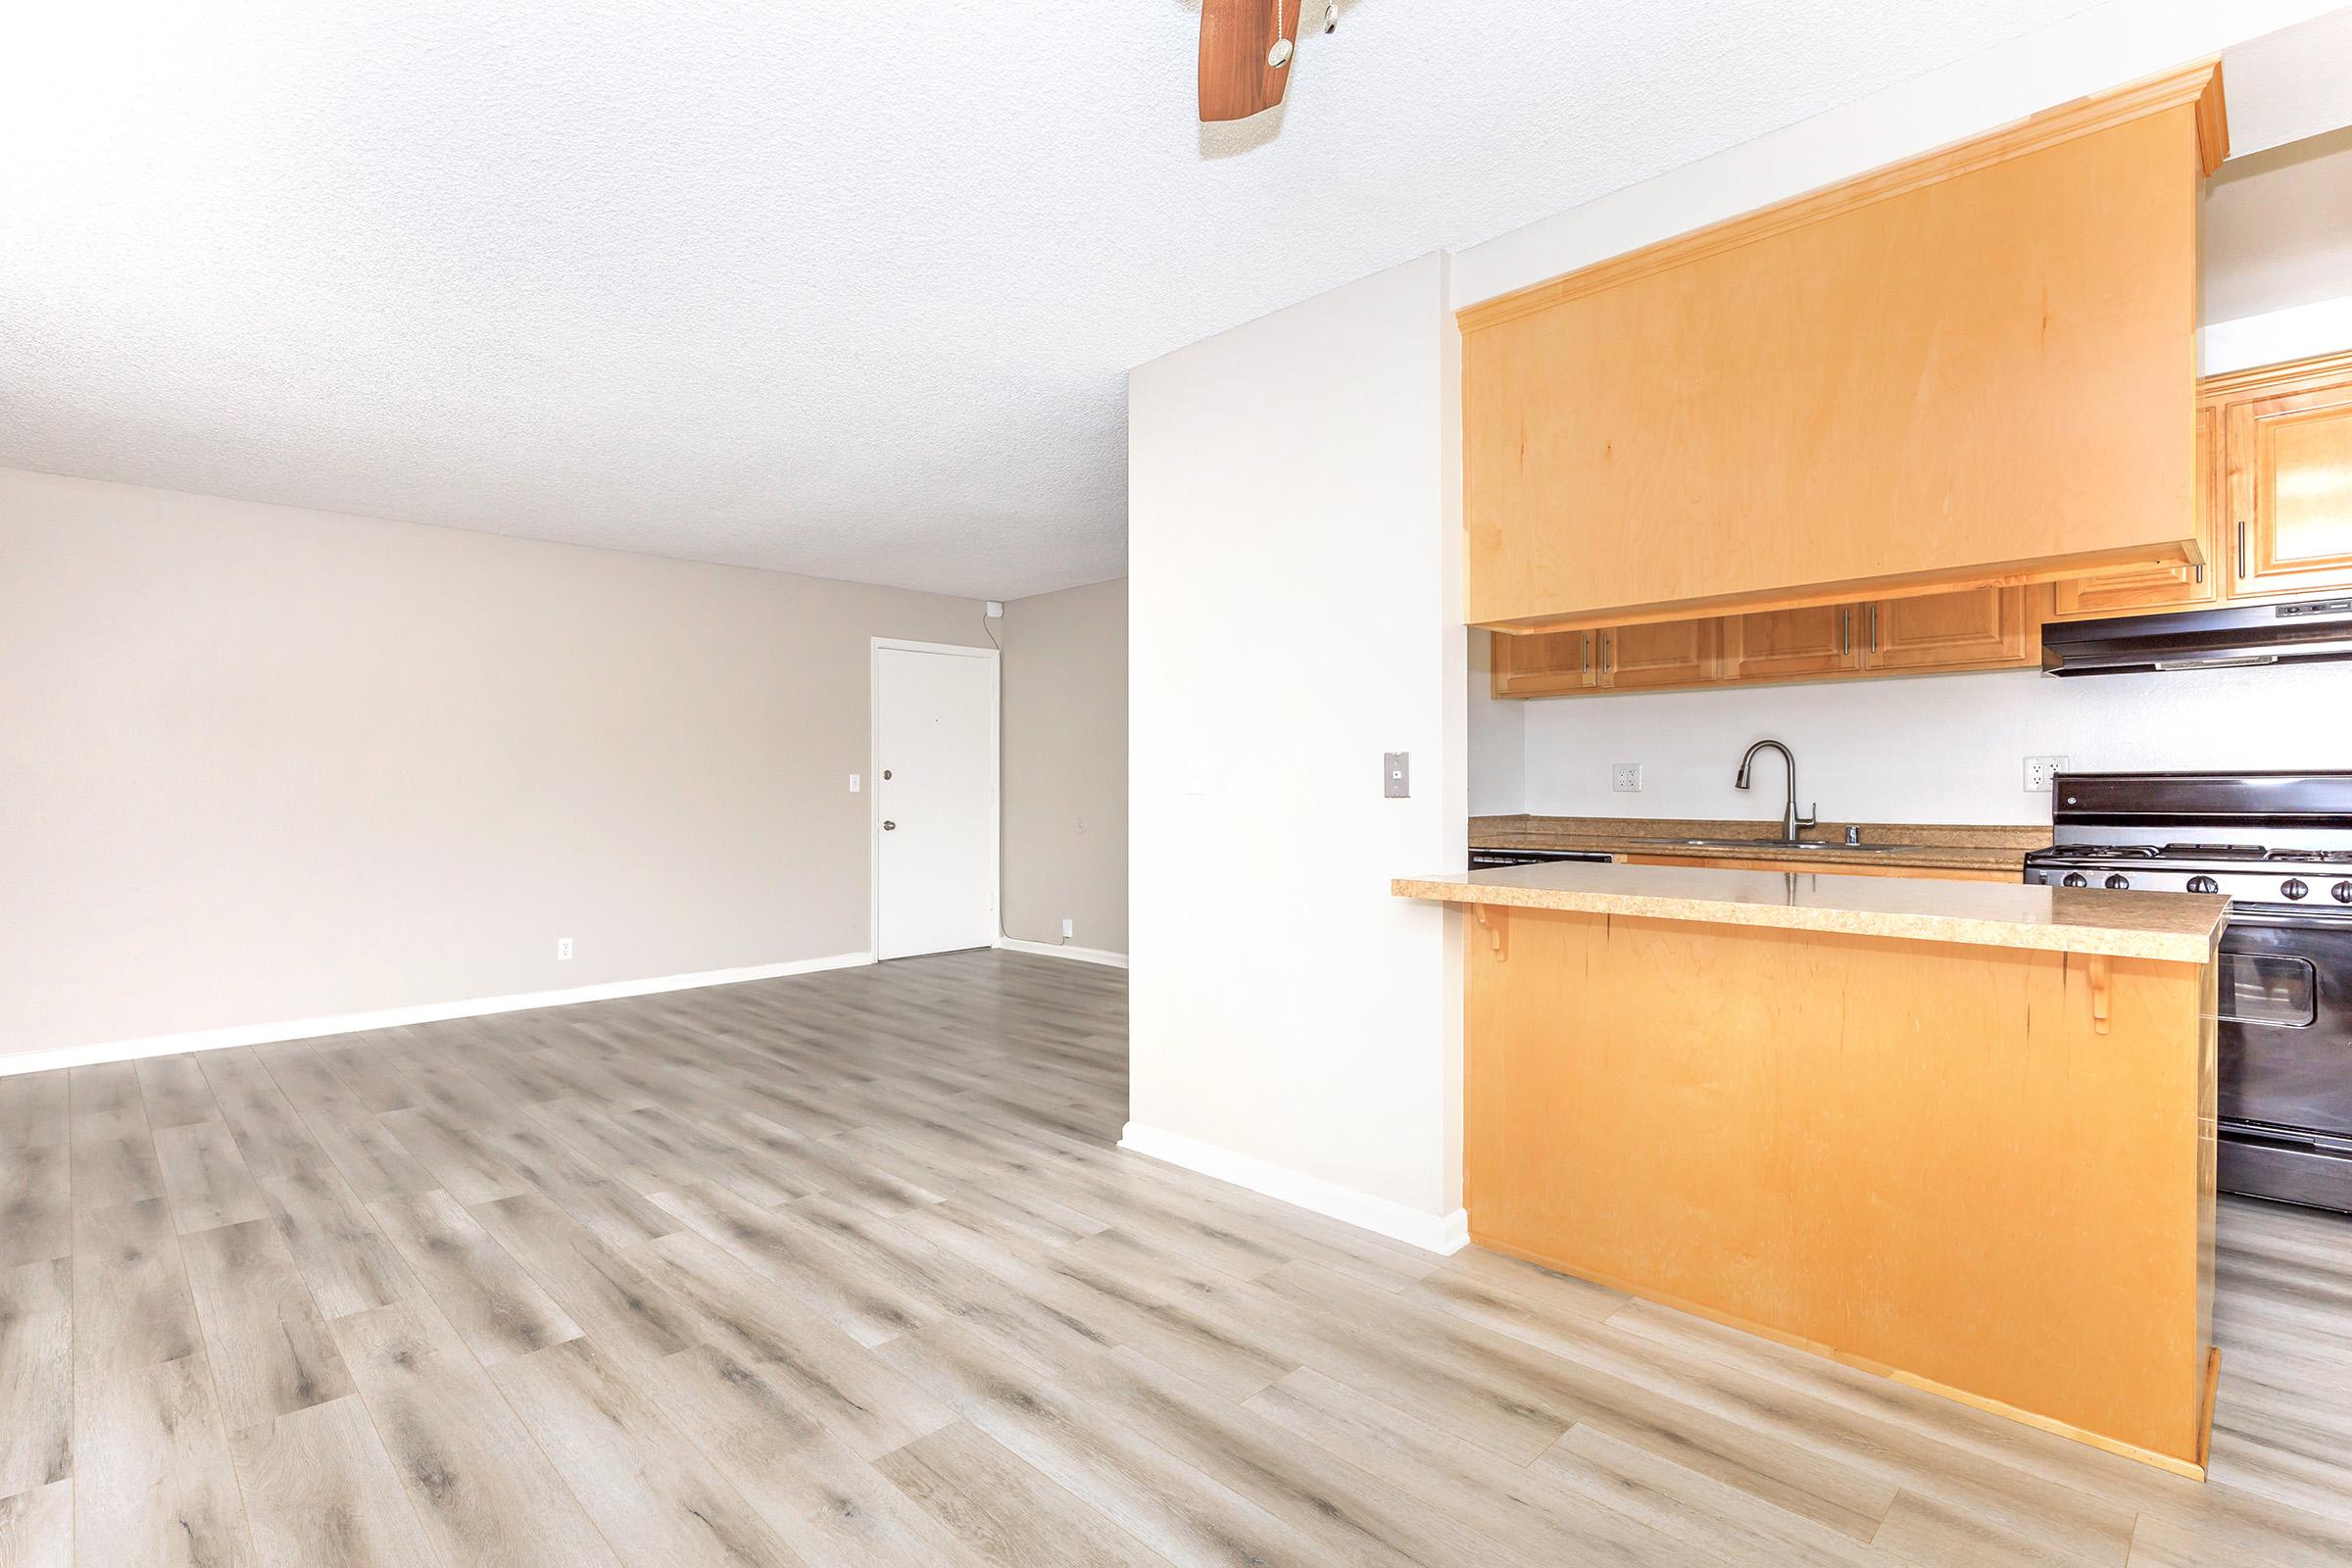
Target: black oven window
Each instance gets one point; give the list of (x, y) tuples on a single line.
[(2257, 988)]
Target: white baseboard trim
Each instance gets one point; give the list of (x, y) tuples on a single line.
[(1435, 1233), (1056, 950), (346, 1024)]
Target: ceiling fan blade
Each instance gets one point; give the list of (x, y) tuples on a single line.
[(1236, 81)]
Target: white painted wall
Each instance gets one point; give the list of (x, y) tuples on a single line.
[(2100, 47), (1293, 593), (1498, 738)]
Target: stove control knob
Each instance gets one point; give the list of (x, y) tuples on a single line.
[(2203, 884), (2295, 887), (2075, 879), (2119, 882), (2341, 893)]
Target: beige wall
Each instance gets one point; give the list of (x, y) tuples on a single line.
[(1065, 766), (2278, 230), (259, 764)]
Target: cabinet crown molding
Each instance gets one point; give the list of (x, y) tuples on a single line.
[(2198, 84)]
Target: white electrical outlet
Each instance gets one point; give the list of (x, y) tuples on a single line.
[(1626, 778), (1070, 928), (2041, 772), (564, 949), (856, 783)]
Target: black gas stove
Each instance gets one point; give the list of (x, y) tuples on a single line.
[(2280, 846)]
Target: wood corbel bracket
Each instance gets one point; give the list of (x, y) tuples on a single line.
[(2103, 992), (1495, 921)]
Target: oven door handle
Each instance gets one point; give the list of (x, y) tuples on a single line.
[(2318, 918)]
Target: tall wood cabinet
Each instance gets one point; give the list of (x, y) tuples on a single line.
[(2288, 444)]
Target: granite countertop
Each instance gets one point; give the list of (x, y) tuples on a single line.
[(1940, 846), (2178, 927)]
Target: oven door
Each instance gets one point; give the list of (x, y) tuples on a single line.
[(2286, 1036), (2286, 1019)]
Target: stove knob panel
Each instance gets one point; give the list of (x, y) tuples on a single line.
[(2295, 887), (2119, 882), (2341, 893), (2075, 879), (2203, 884)]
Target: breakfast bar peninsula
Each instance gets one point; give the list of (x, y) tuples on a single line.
[(1958, 1133)]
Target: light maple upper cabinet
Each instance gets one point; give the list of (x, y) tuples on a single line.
[(2288, 439), (1785, 644), (2157, 588), (1982, 628), (1679, 652), (1545, 664), (1974, 367)]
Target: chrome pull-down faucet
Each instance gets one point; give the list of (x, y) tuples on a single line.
[(1790, 822)]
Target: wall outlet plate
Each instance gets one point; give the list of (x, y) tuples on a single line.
[(1070, 928), (564, 949), (1626, 778), (1396, 775), (2042, 771), (856, 783)]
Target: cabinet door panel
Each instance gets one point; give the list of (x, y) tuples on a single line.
[(2290, 472), (1671, 653), (1547, 665), (2157, 588), (1777, 644), (1980, 627)]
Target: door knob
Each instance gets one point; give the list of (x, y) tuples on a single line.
[(890, 827)]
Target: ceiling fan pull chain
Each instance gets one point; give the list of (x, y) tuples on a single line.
[(1280, 55)]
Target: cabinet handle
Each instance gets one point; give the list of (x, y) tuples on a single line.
[(1608, 651), (1846, 632), (2200, 577), (1584, 655), (2245, 569), (1874, 628)]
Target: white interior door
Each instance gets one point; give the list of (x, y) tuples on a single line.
[(935, 801)]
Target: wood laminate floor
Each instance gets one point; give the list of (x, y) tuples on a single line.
[(845, 1269)]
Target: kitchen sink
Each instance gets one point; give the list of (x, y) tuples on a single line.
[(1802, 847)]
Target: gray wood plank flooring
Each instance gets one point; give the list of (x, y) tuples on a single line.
[(844, 1269)]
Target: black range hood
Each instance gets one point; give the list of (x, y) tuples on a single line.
[(2307, 632)]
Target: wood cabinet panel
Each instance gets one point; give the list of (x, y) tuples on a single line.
[(1971, 369), (1673, 652), (1982, 628), (1542, 664), (1998, 1163), (2290, 484), (2158, 588), (1777, 643)]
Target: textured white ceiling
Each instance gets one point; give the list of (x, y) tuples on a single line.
[(841, 289)]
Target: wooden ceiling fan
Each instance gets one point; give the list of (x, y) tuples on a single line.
[(1245, 48)]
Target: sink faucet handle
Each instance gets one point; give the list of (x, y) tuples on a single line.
[(1853, 835), (1812, 817)]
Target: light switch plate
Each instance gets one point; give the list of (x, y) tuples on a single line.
[(2041, 772), (1396, 775), (1626, 778)]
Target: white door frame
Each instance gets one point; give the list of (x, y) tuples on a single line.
[(873, 778)]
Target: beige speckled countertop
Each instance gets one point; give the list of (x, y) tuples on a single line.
[(2179, 927), (1943, 845)]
